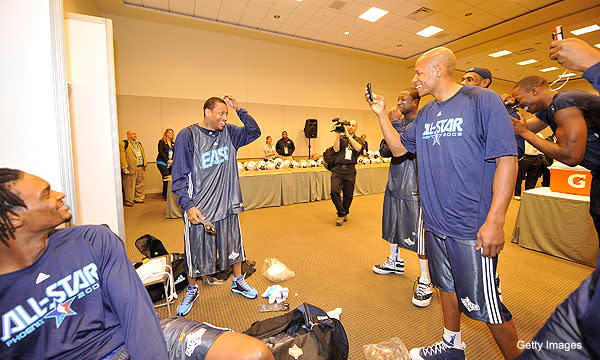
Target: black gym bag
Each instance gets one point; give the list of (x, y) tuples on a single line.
[(306, 331)]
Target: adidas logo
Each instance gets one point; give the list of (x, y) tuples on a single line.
[(409, 242), (233, 255), (41, 277), (469, 304)]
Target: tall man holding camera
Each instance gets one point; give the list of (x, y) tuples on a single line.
[(347, 147)]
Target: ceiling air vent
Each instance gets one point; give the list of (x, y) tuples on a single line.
[(525, 51), (420, 13), (337, 4)]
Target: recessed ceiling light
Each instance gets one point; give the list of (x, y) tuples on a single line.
[(500, 53), (427, 32), (586, 29), (299, 0), (566, 75), (527, 62), (373, 14), (549, 69), (346, 32)]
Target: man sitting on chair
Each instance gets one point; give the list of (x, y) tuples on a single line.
[(73, 293)]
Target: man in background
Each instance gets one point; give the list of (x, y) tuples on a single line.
[(482, 77), (285, 146), (347, 147), (402, 225), (365, 150), (531, 168), (133, 169)]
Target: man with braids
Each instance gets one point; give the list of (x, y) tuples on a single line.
[(73, 293), (205, 179), (467, 168)]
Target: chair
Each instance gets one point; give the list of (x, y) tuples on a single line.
[(158, 270)]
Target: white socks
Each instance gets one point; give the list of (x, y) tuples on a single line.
[(394, 252), (424, 273), (453, 338)]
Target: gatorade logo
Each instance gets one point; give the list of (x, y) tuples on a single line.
[(577, 181)]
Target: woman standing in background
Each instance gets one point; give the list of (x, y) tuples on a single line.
[(166, 146), (270, 153)]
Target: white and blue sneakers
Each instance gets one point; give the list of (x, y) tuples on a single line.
[(185, 306), (240, 286)]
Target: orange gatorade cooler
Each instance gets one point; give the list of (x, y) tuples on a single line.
[(571, 180)]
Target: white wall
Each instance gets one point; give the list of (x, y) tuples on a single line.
[(33, 100), (94, 121)]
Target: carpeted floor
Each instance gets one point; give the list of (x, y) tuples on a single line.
[(333, 269)]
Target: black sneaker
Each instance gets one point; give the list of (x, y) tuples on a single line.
[(390, 267)]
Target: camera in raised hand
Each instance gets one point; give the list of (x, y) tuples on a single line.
[(339, 125)]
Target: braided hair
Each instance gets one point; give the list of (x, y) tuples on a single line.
[(8, 202)]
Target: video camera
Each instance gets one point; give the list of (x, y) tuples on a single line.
[(339, 125)]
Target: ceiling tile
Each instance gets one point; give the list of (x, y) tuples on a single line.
[(208, 9), (285, 5), (182, 6), (231, 10), (253, 21), (507, 12), (156, 4)]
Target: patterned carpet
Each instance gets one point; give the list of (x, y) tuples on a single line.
[(333, 269)]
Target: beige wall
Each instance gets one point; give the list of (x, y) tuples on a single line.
[(165, 71), (86, 7)]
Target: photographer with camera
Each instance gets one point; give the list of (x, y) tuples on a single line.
[(347, 147)]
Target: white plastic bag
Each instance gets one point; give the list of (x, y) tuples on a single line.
[(276, 271), (392, 349)]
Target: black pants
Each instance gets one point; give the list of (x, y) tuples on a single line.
[(164, 171), (530, 169), (342, 180)]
